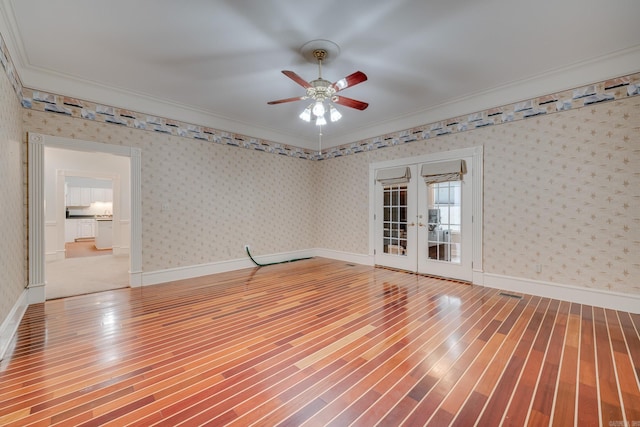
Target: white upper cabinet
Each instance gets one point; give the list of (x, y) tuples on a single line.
[(101, 195), (78, 196), (84, 196)]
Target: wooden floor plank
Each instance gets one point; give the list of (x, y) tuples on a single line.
[(548, 379), (320, 342), (608, 384), (588, 411), (564, 407)]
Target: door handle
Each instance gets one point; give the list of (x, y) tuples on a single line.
[(420, 224), (413, 224)]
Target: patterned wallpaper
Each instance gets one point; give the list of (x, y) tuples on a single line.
[(201, 201), (560, 190), (13, 244)]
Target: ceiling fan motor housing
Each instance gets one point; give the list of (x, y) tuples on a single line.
[(320, 90)]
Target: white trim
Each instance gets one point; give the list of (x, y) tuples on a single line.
[(56, 255), (61, 175), (189, 272), (37, 142), (10, 324), (594, 297), (37, 293), (344, 256), (36, 216), (575, 294), (477, 154)]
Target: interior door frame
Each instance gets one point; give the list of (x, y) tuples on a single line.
[(60, 207), (476, 153), (35, 158)]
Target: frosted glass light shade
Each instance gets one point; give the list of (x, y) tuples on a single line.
[(306, 114), (318, 109), (334, 114)]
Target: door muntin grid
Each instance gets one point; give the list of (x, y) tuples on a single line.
[(444, 221), (395, 220)]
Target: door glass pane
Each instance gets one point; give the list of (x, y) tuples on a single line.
[(444, 221), (395, 220)]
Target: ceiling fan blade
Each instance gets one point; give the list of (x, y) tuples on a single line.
[(296, 78), (350, 80), (348, 102), (281, 101)]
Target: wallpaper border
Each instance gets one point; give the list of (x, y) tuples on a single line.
[(584, 96)]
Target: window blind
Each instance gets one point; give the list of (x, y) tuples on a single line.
[(443, 171), (393, 176)]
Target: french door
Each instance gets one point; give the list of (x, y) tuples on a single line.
[(424, 224)]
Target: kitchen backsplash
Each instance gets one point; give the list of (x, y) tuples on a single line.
[(96, 208)]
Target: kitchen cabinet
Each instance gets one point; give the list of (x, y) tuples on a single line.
[(86, 228), (78, 196), (104, 233), (75, 228), (104, 195)]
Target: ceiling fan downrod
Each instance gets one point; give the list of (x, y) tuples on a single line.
[(320, 55)]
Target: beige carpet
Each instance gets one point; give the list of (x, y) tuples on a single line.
[(76, 276)]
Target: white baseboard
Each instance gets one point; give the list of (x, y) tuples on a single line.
[(36, 293), (188, 272), (120, 250), (54, 256), (588, 296), (594, 297), (576, 294), (12, 321), (344, 256)]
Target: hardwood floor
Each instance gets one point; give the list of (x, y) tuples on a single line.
[(320, 342)]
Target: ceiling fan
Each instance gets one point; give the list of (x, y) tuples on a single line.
[(321, 90)]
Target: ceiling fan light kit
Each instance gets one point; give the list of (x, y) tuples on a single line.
[(321, 90)]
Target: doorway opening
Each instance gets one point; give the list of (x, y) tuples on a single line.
[(108, 212), (87, 215)]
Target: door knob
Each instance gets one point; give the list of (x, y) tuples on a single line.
[(421, 224), (413, 224)]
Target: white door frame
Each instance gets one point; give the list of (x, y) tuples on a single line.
[(60, 209), (36, 144), (476, 153)]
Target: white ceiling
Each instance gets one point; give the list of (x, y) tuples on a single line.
[(217, 62)]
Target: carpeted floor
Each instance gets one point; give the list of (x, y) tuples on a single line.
[(86, 274)]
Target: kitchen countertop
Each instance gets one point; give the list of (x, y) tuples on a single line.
[(102, 217)]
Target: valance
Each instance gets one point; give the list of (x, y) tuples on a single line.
[(443, 171), (393, 176)]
